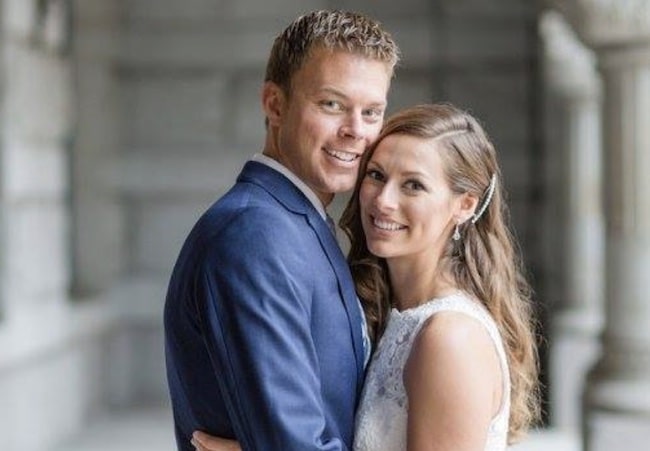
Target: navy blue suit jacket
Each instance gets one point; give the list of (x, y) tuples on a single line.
[(262, 327)]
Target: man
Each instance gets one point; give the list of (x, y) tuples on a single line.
[(263, 330)]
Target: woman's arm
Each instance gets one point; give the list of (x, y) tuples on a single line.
[(453, 383), (204, 442)]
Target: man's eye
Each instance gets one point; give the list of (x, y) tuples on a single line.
[(332, 105), (374, 113)]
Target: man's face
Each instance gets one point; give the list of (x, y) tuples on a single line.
[(334, 111)]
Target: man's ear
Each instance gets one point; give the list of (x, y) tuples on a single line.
[(466, 206), (273, 100)]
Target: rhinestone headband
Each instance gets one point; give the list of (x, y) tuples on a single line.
[(488, 197)]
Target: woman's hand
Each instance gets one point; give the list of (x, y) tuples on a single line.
[(204, 442)]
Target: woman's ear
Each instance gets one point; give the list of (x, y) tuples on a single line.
[(466, 207), (273, 100)]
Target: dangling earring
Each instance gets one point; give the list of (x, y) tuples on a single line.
[(456, 235)]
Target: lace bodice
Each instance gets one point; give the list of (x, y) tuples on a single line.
[(382, 413)]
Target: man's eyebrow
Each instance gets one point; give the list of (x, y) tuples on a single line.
[(331, 90), (336, 92)]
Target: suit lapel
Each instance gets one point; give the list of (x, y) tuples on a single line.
[(293, 199), (346, 287)]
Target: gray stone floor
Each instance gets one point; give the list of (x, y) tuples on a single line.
[(151, 430), (141, 430), (549, 440)]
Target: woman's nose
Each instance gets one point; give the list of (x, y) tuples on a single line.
[(386, 199)]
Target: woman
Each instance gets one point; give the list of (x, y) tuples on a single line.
[(435, 266)]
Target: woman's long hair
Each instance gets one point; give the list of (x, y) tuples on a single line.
[(484, 262)]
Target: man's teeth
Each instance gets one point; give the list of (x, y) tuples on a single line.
[(343, 156), (387, 225)]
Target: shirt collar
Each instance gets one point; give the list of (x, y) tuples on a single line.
[(302, 186)]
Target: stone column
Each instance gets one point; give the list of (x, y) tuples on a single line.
[(617, 397), (3, 254), (574, 148), (98, 224), (37, 117)]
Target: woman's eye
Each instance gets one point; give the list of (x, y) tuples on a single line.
[(374, 174), (414, 185)]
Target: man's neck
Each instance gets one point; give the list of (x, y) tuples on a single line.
[(317, 201)]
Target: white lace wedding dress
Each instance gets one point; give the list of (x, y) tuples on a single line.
[(381, 416)]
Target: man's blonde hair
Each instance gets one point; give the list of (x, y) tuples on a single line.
[(335, 30)]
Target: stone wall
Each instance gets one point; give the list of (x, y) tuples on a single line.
[(189, 79)]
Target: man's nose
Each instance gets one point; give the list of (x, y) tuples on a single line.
[(353, 126)]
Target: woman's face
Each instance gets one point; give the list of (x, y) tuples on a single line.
[(407, 208)]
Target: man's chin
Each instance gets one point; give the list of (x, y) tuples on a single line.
[(342, 188)]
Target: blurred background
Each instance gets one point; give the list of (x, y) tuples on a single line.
[(122, 120)]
